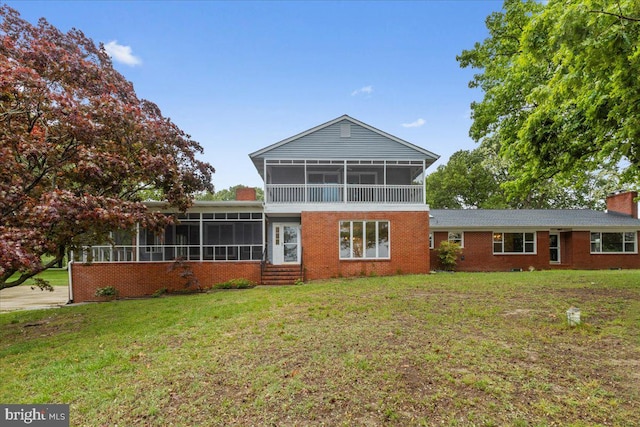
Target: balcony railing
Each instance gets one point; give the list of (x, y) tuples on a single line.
[(340, 193)]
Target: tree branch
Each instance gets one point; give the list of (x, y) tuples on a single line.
[(617, 15)]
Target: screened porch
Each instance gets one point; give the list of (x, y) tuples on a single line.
[(344, 181)]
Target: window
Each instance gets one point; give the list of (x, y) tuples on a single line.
[(364, 239), (514, 243), (456, 237), (623, 242), (431, 240)]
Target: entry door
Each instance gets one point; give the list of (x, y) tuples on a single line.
[(286, 243), (554, 248)]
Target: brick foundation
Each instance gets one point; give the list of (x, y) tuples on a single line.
[(138, 279)]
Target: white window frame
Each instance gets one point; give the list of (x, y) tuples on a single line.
[(524, 242), (431, 243), (459, 241), (624, 241), (364, 230)]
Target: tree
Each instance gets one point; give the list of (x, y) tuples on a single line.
[(475, 179), (464, 182), (77, 147), (228, 194), (561, 91)]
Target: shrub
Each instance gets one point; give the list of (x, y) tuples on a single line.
[(159, 292), (448, 254), (235, 284), (107, 291)]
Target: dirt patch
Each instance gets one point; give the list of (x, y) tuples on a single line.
[(25, 298)]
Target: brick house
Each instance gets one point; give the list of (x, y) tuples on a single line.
[(503, 239), (346, 199)]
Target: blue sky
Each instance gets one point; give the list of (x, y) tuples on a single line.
[(238, 76)]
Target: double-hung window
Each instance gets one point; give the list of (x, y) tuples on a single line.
[(514, 243), (456, 237), (364, 240), (621, 242)]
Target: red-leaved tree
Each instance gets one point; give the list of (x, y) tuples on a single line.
[(77, 148)]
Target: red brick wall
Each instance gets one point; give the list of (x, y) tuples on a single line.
[(623, 203), (477, 254), (136, 279), (575, 253), (583, 259), (408, 236)]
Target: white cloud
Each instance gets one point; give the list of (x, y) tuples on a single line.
[(367, 90), (415, 124), (121, 53)]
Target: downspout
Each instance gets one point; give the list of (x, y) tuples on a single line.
[(69, 268)]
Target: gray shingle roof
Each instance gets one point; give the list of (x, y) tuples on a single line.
[(531, 218)]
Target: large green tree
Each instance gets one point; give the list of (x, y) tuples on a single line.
[(475, 179), (466, 181), (561, 91)]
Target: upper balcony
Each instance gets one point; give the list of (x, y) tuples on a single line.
[(339, 193), (342, 164), (344, 181)]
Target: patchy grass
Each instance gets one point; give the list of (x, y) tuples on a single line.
[(445, 349)]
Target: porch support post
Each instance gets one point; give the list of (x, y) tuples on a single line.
[(264, 172), (201, 238), (344, 183), (306, 183), (424, 182)]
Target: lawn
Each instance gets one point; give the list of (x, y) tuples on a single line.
[(55, 277), (441, 349)]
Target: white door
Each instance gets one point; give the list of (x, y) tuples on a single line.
[(286, 243), (554, 248)]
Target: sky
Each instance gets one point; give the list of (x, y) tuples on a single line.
[(239, 76)]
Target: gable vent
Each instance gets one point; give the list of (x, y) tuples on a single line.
[(345, 130)]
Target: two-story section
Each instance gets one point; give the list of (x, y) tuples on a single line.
[(345, 199)]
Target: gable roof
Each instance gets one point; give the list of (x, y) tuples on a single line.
[(489, 219), (324, 142)]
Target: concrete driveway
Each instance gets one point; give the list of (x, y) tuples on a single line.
[(24, 298)]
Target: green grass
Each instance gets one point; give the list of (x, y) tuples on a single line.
[(444, 349), (55, 277)]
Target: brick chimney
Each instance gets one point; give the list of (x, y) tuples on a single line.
[(246, 193), (622, 202)]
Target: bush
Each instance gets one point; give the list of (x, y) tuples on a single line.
[(159, 292), (235, 284), (107, 291), (448, 254)]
